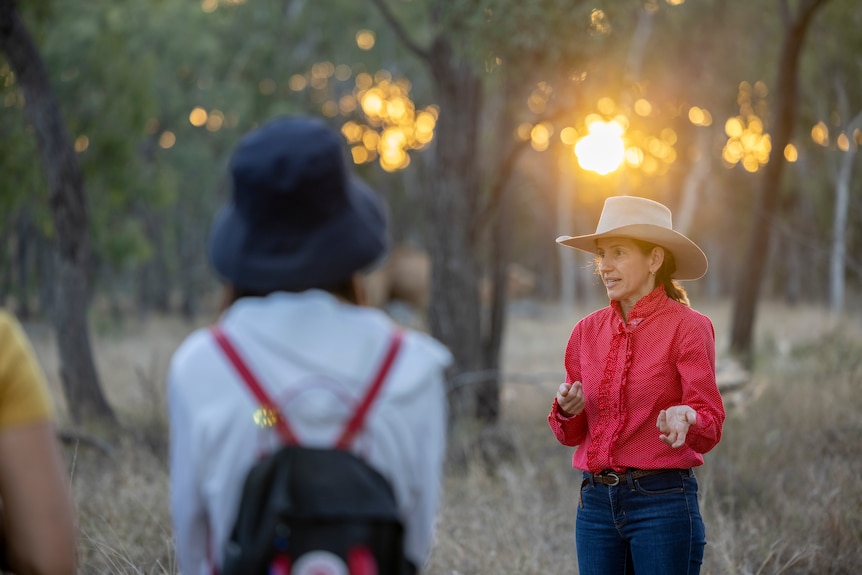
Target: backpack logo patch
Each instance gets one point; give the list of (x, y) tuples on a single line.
[(320, 563)]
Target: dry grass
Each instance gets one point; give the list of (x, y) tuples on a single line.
[(782, 493)]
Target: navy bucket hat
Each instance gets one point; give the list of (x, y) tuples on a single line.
[(297, 217)]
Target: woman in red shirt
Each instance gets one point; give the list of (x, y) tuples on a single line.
[(646, 361)]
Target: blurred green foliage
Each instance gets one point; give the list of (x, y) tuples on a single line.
[(128, 74)]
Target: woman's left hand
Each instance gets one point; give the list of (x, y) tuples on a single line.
[(673, 423)]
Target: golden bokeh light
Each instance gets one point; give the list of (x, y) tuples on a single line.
[(538, 100), (322, 70), (820, 134), (843, 142), (329, 109), (669, 136), (755, 125), (791, 154), (599, 23), (347, 104), (536, 103), (569, 136), (650, 165), (750, 164), (82, 143), (371, 139), (540, 137), (606, 106), (747, 144), (364, 81), (602, 150), (391, 125), (396, 108), (297, 82), (365, 39), (359, 154), (699, 116), (425, 122), (198, 117), (382, 76), (215, 120), (523, 130), (343, 72), (372, 103), (643, 107), (352, 132), (167, 140), (675, 2), (209, 6), (634, 156), (734, 127)]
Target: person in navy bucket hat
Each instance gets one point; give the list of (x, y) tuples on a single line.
[(297, 217), (290, 246)]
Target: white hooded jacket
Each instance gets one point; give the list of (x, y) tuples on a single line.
[(315, 356)]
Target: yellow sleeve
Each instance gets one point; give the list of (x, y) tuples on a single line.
[(24, 396)]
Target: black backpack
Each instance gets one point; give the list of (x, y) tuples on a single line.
[(306, 510)]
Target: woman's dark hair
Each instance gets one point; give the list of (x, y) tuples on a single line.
[(345, 290), (664, 274)]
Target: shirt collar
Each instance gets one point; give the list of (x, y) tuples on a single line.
[(644, 307)]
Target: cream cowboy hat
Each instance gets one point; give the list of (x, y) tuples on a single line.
[(643, 219)]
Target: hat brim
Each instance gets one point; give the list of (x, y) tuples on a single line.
[(345, 245), (691, 262)]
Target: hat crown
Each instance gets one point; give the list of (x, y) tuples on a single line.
[(623, 211), (289, 173)]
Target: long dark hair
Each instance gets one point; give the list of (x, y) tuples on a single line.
[(664, 275)]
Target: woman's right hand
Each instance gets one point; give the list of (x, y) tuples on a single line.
[(570, 399)]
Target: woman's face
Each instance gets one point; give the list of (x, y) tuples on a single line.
[(625, 270)]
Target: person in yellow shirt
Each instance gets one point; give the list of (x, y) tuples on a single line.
[(38, 534)]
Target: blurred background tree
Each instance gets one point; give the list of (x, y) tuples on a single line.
[(465, 116)]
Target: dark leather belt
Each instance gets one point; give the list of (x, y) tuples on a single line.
[(612, 478)]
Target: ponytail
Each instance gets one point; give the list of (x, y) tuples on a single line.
[(664, 275)]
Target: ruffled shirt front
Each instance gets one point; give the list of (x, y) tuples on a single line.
[(663, 356)]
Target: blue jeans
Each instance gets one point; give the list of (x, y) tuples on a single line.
[(646, 526)]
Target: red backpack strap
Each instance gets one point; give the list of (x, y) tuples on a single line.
[(355, 424), (281, 425), (288, 436)]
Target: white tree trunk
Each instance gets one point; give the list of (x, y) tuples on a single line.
[(565, 201), (838, 261)]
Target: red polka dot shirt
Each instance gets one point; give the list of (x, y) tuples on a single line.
[(663, 356)]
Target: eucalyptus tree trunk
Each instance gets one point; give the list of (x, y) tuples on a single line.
[(454, 308), (767, 206), (454, 313), (68, 208)]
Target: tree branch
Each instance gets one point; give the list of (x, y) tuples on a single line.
[(400, 31), (504, 172)]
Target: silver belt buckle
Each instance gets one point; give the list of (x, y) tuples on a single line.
[(616, 477)]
